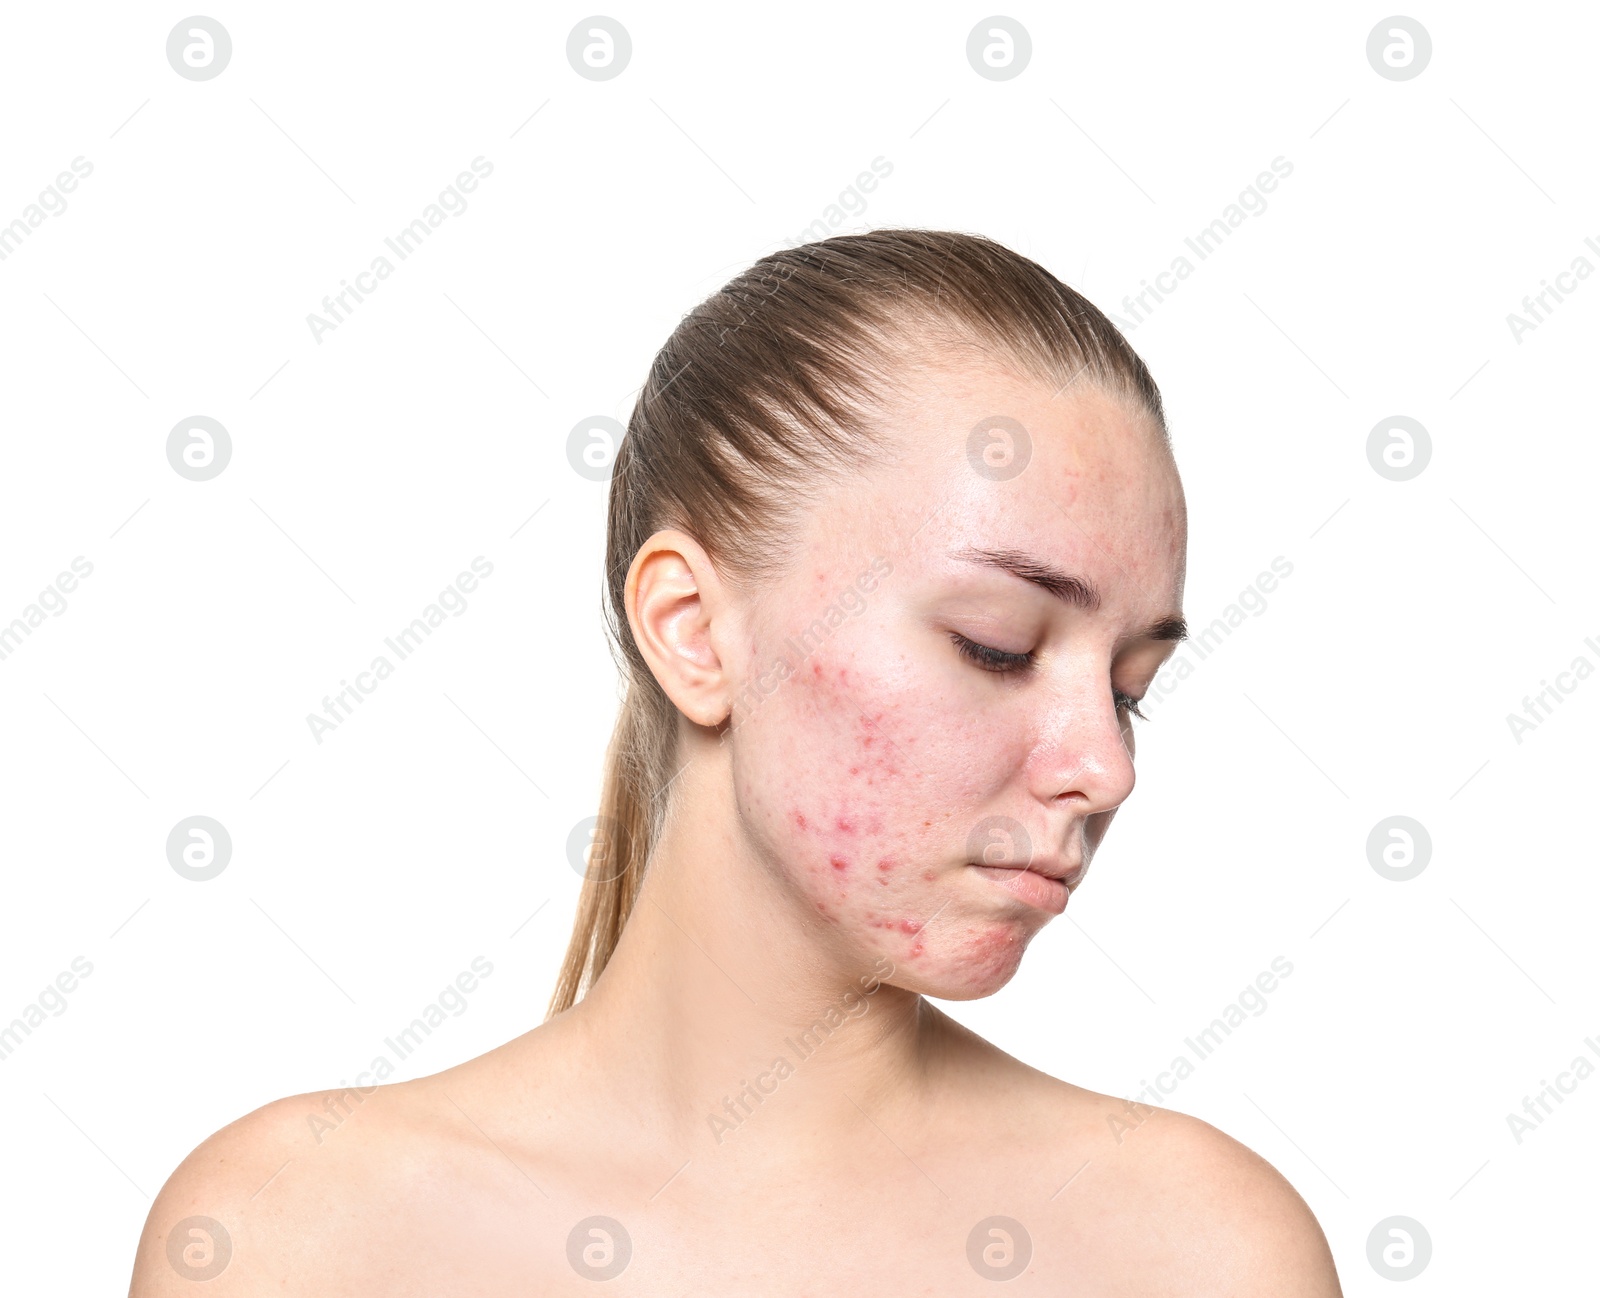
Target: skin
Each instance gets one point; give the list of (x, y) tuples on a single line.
[(817, 856)]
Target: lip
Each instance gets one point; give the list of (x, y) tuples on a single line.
[(1040, 891)]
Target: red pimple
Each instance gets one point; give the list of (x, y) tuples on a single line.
[(928, 875), (799, 819), (845, 826), (855, 770), (839, 863), (909, 926), (886, 864)]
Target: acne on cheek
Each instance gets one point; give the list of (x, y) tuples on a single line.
[(836, 693), (986, 955), (842, 824), (844, 887), (857, 817), (906, 926)]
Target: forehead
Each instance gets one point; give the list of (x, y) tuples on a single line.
[(978, 456)]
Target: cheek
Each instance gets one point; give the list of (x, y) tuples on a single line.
[(858, 788), (874, 815), (847, 758)]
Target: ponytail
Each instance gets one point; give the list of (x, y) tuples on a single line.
[(632, 812)]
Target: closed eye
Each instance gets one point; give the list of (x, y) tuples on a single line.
[(991, 660), (999, 661)]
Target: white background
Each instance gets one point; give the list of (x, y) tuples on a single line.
[(430, 427)]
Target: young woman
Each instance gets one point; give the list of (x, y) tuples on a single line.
[(896, 543)]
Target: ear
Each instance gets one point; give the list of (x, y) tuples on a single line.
[(681, 617)]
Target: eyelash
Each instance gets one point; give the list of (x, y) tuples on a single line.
[(1000, 662)]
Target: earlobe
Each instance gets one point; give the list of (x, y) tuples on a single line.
[(674, 601)]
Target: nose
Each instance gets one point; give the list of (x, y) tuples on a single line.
[(1082, 758)]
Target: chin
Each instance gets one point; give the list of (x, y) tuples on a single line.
[(957, 974), (965, 992)]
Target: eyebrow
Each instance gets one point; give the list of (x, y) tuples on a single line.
[(1069, 589)]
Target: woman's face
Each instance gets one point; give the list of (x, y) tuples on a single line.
[(893, 784)]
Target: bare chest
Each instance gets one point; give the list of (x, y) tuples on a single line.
[(893, 1233)]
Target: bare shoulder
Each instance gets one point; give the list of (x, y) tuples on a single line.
[(328, 1193), (261, 1205), (1200, 1212), (1151, 1200)]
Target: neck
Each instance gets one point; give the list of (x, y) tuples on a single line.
[(733, 1018)]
